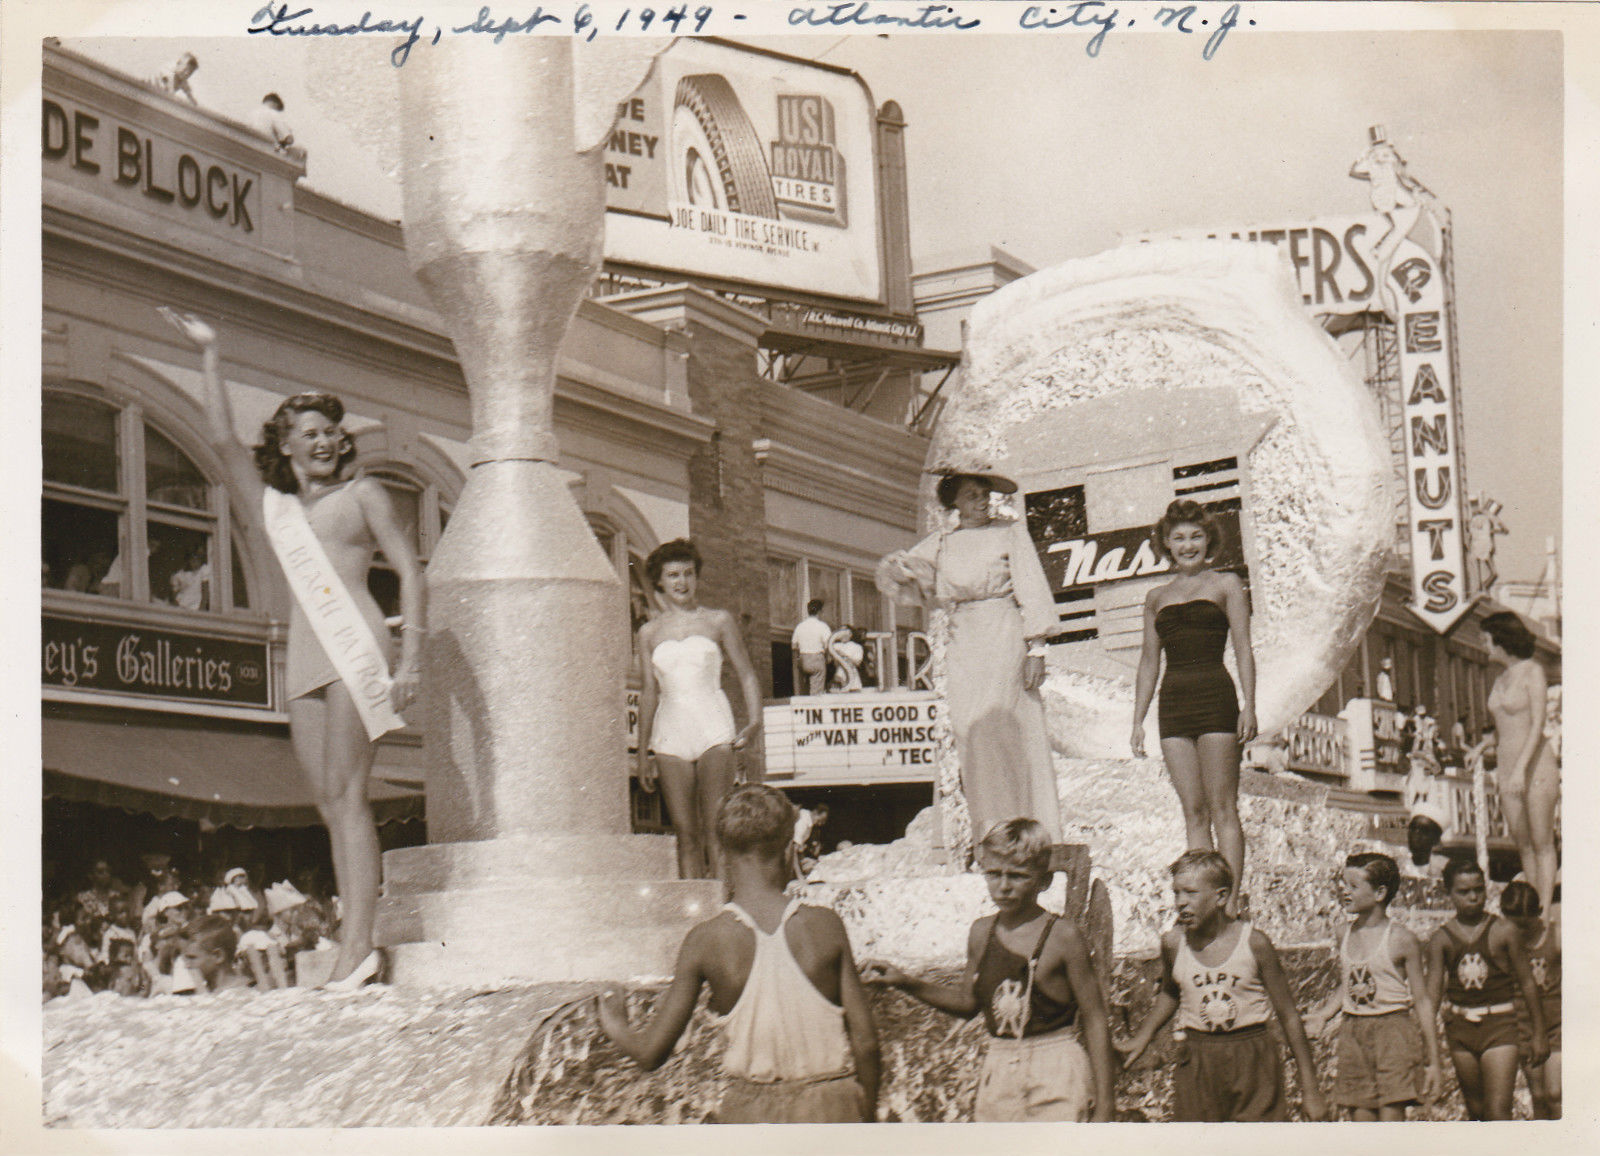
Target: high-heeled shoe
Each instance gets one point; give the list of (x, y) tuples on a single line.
[(367, 971)]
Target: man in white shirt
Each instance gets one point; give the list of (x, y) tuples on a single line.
[(268, 120), (175, 80), (810, 640)]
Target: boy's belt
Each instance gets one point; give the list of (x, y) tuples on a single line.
[(1474, 1015)]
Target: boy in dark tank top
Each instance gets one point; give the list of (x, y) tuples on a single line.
[(1028, 972), (1478, 964)]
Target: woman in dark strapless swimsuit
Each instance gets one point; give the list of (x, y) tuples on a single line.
[(1203, 724)]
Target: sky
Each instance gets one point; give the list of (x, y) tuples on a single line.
[(1034, 146)]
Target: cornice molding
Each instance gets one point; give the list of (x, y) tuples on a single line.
[(793, 471), (689, 306), (630, 422)]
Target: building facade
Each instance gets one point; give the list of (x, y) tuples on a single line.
[(163, 615)]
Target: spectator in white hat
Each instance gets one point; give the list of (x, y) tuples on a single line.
[(161, 946), (236, 894)]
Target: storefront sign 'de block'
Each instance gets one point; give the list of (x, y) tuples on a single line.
[(1109, 386)]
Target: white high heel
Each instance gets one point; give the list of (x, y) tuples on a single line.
[(365, 972)]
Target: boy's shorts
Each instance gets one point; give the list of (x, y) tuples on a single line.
[(1482, 1034), (836, 1100), (1044, 1077), (1229, 1076), (1380, 1060)]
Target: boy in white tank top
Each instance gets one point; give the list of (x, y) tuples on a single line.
[(1224, 980), (1386, 1059), (802, 1048)]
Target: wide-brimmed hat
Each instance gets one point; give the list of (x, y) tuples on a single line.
[(282, 896), (996, 481), (169, 900)]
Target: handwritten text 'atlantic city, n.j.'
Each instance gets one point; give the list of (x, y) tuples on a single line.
[(1097, 17)]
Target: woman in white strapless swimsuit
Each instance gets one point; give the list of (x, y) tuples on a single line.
[(686, 727)]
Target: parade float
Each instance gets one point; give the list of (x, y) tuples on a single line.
[(1187, 317), (1107, 386)]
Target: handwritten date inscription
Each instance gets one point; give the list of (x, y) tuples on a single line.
[(1098, 17)]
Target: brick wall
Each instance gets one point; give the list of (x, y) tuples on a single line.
[(727, 509)]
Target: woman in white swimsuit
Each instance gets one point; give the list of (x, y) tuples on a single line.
[(1526, 771), (305, 452), (686, 728)]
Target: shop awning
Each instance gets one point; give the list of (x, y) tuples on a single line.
[(233, 778)]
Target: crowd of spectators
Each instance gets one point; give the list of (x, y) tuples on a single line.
[(166, 934)]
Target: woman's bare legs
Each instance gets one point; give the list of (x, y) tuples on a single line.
[(1514, 806), (1544, 792), (332, 746), (1183, 765), (692, 793), (677, 779), (716, 768), (1219, 776)]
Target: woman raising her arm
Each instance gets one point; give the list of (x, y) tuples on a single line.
[(325, 525)]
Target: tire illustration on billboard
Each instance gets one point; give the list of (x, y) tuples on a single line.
[(748, 167), (717, 161)]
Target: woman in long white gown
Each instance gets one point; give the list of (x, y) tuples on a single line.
[(986, 572)]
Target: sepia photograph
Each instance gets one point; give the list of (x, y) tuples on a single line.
[(828, 563)]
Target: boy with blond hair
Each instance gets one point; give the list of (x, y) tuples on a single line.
[(1028, 971), (209, 945)]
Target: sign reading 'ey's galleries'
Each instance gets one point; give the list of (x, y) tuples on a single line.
[(90, 657), (862, 737)]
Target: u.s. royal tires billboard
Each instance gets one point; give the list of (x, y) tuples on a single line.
[(743, 166)]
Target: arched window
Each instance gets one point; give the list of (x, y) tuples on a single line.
[(128, 514), (628, 561), (423, 512)]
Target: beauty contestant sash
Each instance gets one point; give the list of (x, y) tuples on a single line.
[(335, 619)]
